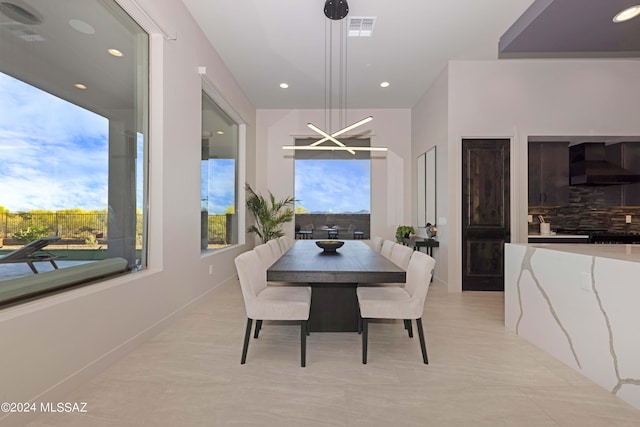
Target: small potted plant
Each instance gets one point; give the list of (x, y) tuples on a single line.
[(403, 232)]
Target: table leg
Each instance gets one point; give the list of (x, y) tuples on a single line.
[(334, 307)]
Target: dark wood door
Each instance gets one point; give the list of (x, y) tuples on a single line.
[(485, 213)]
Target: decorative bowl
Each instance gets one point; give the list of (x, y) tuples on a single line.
[(329, 245)]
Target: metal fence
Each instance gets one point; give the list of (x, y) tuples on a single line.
[(85, 226), (68, 226), (219, 228)]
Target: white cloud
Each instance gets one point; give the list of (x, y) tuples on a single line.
[(333, 185), (219, 185), (53, 154)]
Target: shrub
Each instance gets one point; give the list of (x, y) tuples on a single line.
[(30, 233)]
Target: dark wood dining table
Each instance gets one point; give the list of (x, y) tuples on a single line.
[(334, 278)]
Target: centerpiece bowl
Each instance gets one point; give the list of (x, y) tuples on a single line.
[(329, 245)]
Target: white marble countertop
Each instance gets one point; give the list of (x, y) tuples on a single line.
[(562, 236), (612, 251)]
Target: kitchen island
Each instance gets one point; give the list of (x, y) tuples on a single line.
[(581, 304)]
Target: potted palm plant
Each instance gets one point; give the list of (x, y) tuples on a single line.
[(270, 214)]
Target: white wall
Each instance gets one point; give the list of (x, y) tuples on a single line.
[(429, 127), (518, 98), (51, 345), (390, 173)]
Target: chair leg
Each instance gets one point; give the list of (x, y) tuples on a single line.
[(365, 331), (308, 329), (359, 323), (423, 346), (409, 327), (245, 347), (303, 343), (256, 332)]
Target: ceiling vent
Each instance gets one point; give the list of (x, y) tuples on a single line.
[(361, 26)]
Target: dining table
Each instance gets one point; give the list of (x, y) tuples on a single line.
[(334, 277)]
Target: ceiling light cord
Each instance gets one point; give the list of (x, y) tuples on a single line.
[(343, 69), (342, 73)]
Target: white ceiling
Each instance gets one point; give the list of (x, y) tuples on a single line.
[(266, 42)]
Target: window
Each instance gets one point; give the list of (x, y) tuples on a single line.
[(219, 177), (333, 190), (73, 133)]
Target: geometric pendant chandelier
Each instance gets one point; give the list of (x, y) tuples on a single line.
[(335, 10)]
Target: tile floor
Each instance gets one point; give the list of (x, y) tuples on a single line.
[(480, 374)]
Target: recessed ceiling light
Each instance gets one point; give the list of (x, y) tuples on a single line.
[(284, 85), (627, 14), (115, 52), (220, 132), (81, 26), (80, 86), (384, 84)]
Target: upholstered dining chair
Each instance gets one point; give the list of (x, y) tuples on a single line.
[(275, 247), (266, 255), (400, 255), (387, 248), (284, 244), (264, 302), (392, 302), (376, 243)]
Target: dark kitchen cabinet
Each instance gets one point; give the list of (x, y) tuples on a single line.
[(548, 173), (627, 155)]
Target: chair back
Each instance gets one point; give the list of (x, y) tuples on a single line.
[(284, 244), (265, 254), (387, 248), (252, 279), (376, 243), (400, 255), (275, 248), (418, 279)]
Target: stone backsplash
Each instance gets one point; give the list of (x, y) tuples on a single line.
[(590, 208)]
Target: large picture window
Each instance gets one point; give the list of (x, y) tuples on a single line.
[(219, 177), (73, 135), (333, 192)]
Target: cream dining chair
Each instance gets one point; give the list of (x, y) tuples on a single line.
[(393, 302), (387, 248), (376, 243), (265, 253), (264, 302), (275, 247), (284, 244), (400, 255)]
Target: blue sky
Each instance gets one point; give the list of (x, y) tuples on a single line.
[(53, 154), (333, 185), (221, 176)]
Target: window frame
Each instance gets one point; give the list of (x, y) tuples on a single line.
[(209, 88), (145, 47)]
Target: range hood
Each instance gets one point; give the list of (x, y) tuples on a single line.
[(588, 165)]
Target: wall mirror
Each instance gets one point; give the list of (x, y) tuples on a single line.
[(430, 186), (422, 193), (426, 170)]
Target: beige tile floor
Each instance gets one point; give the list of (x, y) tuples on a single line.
[(480, 374)]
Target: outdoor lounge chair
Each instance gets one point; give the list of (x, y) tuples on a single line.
[(32, 252)]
